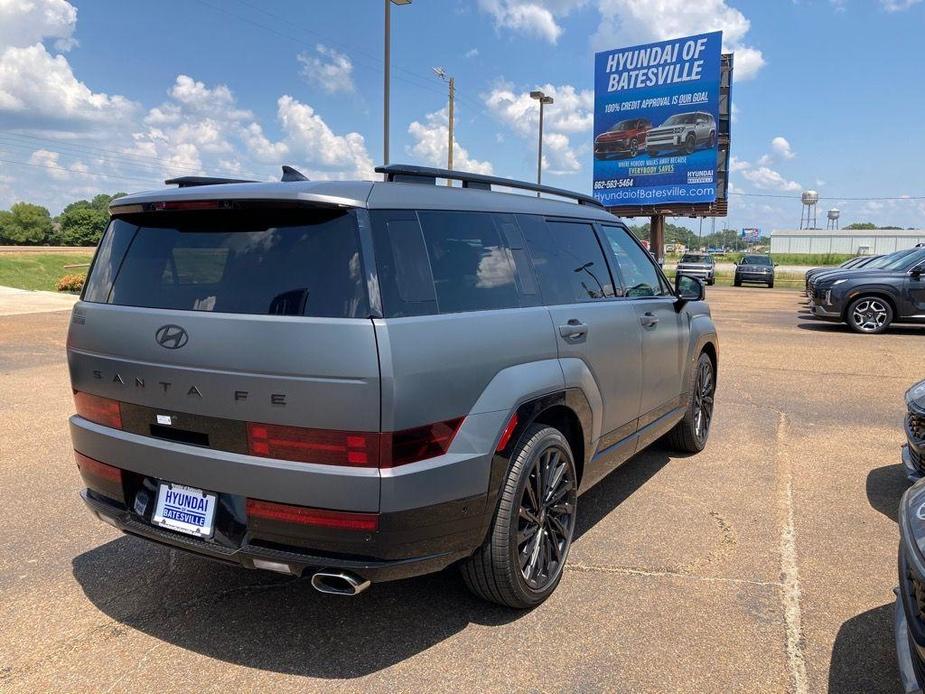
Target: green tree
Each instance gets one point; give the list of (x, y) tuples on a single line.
[(83, 225), (26, 224), (862, 225)]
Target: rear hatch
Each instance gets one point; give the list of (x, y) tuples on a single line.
[(204, 322)]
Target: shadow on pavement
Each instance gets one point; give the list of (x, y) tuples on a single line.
[(885, 486), (833, 327), (863, 657), (267, 621)]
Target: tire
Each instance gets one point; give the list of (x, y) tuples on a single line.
[(500, 571), (691, 433), (690, 144), (634, 149), (712, 139), (869, 315), (737, 282), (711, 281), (771, 284)]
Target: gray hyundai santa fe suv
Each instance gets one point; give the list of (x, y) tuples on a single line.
[(363, 381)]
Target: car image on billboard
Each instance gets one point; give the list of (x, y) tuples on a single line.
[(656, 118)]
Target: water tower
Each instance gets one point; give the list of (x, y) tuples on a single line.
[(833, 216), (809, 198)]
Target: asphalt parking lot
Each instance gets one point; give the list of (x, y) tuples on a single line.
[(764, 564)]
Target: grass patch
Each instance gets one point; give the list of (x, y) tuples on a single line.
[(38, 270), (813, 259)]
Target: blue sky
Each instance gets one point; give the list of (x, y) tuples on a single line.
[(105, 95)]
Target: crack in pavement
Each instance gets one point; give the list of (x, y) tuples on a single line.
[(665, 573)]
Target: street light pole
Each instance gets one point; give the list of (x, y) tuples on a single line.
[(386, 79), (543, 99)]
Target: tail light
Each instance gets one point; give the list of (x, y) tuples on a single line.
[(411, 445), (302, 515), (97, 409), (356, 448), (323, 446)]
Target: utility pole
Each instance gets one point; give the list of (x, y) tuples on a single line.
[(441, 73), (543, 99)]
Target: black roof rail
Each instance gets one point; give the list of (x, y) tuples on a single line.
[(404, 173), (190, 181)]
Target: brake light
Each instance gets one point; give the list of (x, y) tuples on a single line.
[(175, 205), (420, 443), (302, 515), (98, 409), (323, 446)]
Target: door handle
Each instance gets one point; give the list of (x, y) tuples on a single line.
[(648, 319), (573, 330)]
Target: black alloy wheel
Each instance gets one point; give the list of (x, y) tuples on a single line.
[(546, 518), (523, 558), (690, 144), (691, 433)]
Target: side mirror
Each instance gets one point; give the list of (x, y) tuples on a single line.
[(688, 288)]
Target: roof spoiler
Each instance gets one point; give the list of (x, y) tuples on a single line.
[(402, 173), (290, 174)]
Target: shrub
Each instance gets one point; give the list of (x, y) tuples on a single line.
[(71, 283)]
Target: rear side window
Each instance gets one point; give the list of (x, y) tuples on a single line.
[(450, 262), (295, 263), (568, 260)]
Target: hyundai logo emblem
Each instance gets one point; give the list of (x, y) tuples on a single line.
[(171, 336)]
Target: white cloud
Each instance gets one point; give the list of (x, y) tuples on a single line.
[(571, 113), (628, 22), (536, 18), (782, 148), (432, 143), (328, 154), (39, 91), (472, 53), (736, 164), (767, 178), (898, 5), (327, 68), (27, 22)]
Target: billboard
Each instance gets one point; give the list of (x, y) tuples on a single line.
[(657, 122), (751, 235)]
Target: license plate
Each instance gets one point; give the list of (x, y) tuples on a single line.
[(184, 509)]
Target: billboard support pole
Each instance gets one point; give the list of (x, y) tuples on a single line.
[(657, 236)]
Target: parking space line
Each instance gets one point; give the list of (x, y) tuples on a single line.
[(790, 588)]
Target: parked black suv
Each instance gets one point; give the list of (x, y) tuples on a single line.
[(870, 300), (754, 268), (914, 450)]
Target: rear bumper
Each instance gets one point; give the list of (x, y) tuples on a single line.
[(430, 513), (250, 550)]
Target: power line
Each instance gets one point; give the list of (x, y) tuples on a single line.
[(828, 197), (78, 173)]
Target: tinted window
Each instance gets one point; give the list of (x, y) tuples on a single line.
[(568, 261), (473, 268), (639, 274), (303, 263), (756, 260), (689, 258), (404, 269)]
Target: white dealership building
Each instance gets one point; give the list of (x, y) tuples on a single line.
[(844, 241)]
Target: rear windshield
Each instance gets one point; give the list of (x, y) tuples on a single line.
[(296, 263)]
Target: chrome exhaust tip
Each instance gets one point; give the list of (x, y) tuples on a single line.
[(339, 583)]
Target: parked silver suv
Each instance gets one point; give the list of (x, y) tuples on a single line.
[(361, 381)]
